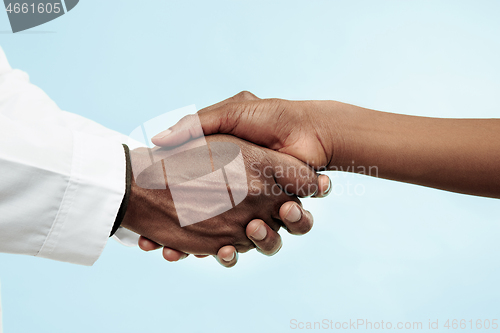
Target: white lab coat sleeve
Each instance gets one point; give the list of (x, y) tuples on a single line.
[(62, 176), (1, 326)]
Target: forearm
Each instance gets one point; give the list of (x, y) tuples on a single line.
[(460, 155)]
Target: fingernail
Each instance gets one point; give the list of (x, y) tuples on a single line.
[(329, 186), (162, 134), (260, 233), (294, 214), (327, 190), (229, 257)]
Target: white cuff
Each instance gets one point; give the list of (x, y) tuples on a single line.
[(126, 237), (91, 201)]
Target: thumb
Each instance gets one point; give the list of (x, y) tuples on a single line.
[(189, 127), (242, 119), (210, 121)]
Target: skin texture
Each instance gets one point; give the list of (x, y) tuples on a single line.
[(459, 155), (227, 256), (152, 214)]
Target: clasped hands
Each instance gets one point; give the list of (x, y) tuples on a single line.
[(275, 180)]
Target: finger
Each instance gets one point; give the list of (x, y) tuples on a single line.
[(147, 244), (324, 186), (266, 240), (227, 256), (293, 175), (297, 220), (201, 256), (173, 255)]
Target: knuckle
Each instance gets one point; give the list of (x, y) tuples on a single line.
[(245, 95), (277, 104)]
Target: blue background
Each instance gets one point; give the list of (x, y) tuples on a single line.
[(396, 252)]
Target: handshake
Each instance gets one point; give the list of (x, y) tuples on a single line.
[(220, 194), (264, 154)]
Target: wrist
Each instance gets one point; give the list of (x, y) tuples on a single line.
[(380, 144), (150, 210), (357, 136), (123, 207), (335, 125)]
